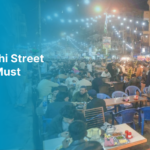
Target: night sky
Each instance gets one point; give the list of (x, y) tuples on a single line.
[(52, 28)]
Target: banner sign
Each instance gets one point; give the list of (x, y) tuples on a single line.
[(107, 43)]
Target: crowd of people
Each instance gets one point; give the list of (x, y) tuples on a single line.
[(81, 81)]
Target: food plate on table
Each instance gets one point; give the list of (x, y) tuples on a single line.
[(118, 137), (93, 132)]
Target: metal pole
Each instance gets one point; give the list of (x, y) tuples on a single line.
[(123, 43), (39, 37)]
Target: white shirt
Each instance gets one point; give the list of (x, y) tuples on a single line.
[(82, 82), (70, 81), (82, 65), (89, 67), (123, 69), (106, 75), (93, 64)]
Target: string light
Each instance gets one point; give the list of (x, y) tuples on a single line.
[(62, 20), (69, 21), (56, 15)]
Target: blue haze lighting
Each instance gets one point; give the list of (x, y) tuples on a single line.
[(87, 2), (56, 15), (69, 9)]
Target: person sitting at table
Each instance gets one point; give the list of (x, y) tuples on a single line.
[(59, 125), (82, 82), (45, 86), (71, 80), (106, 74), (94, 101), (134, 81), (77, 131), (53, 109), (97, 82), (81, 96)]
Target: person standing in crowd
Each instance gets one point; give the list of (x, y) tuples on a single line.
[(81, 96), (45, 86), (139, 72), (59, 125), (130, 71), (97, 82), (83, 82), (110, 67), (89, 77), (82, 73), (89, 66), (75, 69), (103, 63), (94, 101), (77, 131), (134, 81), (82, 65), (123, 69), (148, 79), (106, 74), (71, 80), (113, 73)]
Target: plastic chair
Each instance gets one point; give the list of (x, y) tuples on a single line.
[(109, 109), (121, 94), (131, 90), (105, 96), (102, 96), (145, 116), (94, 117), (145, 90), (125, 116)]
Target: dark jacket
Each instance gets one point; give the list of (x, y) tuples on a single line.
[(54, 109), (109, 67), (80, 98), (148, 79), (78, 145), (134, 82), (97, 83), (94, 103), (56, 128)]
